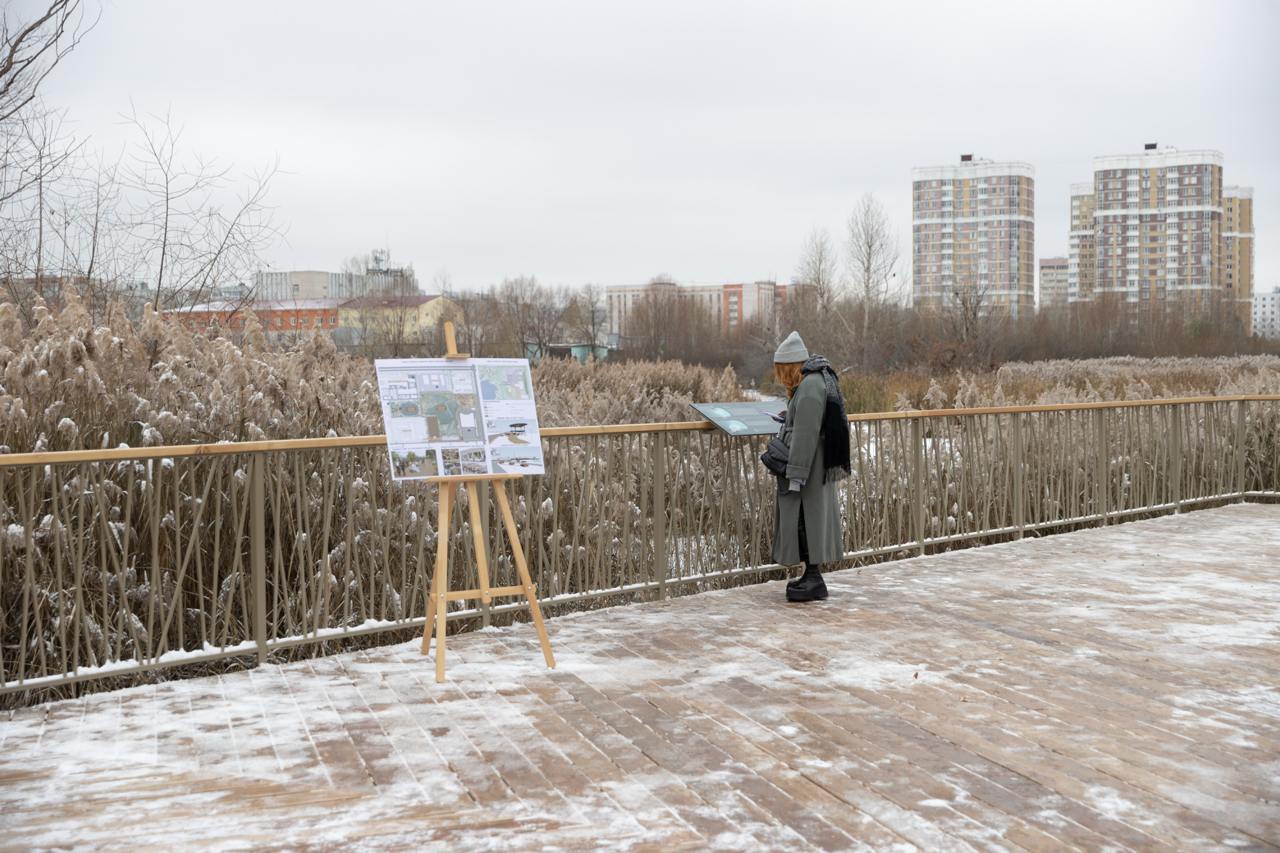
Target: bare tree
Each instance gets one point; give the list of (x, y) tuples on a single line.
[(34, 219), (665, 323), (76, 234), (181, 223), (517, 297), (30, 51), (546, 318), (873, 255), (969, 311), (91, 240), (389, 318), (31, 143), (192, 231), (34, 149), (652, 324), (533, 315), (590, 312), (442, 282), (820, 269), (479, 321)]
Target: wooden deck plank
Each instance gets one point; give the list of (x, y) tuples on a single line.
[(1112, 687)]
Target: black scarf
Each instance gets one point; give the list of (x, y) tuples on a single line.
[(835, 423)]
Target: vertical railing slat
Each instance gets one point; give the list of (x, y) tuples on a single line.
[(1019, 476), (661, 565), (258, 552), (1240, 447), (1175, 453), (917, 495)]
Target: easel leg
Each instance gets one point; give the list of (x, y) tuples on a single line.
[(442, 565), (477, 539), (442, 558), (433, 588), (513, 534), (442, 573), (429, 625)]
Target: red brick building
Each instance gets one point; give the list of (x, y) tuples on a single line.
[(279, 317)]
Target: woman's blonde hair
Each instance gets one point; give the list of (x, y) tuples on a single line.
[(788, 375)]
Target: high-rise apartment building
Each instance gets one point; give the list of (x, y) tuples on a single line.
[(1157, 224), (973, 236), (1266, 314), (1236, 275), (1080, 259), (1053, 283), (1159, 230)]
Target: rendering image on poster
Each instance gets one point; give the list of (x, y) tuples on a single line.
[(462, 461), (414, 463), (504, 382), (517, 460), (451, 417), (504, 432)]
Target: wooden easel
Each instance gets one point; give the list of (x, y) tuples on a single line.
[(440, 595)]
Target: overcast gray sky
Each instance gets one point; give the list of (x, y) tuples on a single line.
[(611, 141)]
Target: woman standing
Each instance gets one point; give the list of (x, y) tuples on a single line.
[(807, 527)]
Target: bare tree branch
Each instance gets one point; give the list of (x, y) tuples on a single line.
[(29, 52), (185, 240), (820, 269), (873, 255)]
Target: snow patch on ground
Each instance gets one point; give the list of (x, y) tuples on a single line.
[(877, 674), (1235, 633)]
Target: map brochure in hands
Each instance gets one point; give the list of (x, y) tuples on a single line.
[(459, 417)]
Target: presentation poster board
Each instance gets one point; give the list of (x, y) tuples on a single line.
[(757, 418), (459, 417)]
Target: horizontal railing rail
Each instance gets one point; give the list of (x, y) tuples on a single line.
[(59, 457), (117, 562)]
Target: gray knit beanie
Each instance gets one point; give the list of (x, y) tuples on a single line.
[(791, 350)]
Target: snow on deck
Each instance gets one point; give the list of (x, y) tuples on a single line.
[(1116, 687)]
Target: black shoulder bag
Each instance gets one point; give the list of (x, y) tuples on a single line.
[(775, 456)]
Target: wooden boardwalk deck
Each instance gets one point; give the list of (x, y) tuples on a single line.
[(1108, 688)]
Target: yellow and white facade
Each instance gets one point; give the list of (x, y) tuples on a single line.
[(1157, 231), (973, 236)]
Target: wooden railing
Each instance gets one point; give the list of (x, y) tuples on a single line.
[(116, 562)]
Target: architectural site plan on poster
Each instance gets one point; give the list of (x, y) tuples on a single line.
[(459, 417)]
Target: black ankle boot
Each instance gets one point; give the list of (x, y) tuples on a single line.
[(809, 569), (808, 587)]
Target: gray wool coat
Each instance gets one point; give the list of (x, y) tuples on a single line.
[(820, 500)]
